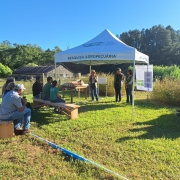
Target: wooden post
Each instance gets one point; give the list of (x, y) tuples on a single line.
[(106, 90), (63, 92), (71, 96), (78, 92), (86, 92), (43, 79)]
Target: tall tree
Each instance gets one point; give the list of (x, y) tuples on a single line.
[(160, 43)]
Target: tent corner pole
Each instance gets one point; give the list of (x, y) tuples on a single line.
[(132, 117), (89, 74), (90, 67), (148, 88)]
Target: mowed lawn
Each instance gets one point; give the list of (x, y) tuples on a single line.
[(146, 148)]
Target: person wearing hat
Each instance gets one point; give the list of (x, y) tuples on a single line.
[(93, 80), (118, 78), (12, 109)]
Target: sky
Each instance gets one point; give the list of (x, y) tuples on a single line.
[(69, 23)]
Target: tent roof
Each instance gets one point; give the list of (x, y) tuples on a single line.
[(105, 48)]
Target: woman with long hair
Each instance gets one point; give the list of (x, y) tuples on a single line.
[(54, 93), (93, 83), (11, 86), (8, 80), (129, 85)]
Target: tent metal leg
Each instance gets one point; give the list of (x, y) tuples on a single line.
[(132, 117)]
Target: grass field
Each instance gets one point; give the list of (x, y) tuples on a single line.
[(146, 148)]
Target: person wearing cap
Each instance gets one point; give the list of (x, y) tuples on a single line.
[(12, 109), (118, 78), (46, 89), (93, 80), (11, 86), (8, 80), (37, 87)]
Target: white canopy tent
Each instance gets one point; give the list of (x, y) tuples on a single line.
[(105, 48)]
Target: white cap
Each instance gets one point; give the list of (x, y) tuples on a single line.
[(20, 86)]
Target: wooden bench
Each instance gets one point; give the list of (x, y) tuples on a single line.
[(70, 110), (6, 129)]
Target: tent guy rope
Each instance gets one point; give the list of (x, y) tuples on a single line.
[(76, 156)]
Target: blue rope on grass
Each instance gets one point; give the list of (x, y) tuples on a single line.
[(76, 156)]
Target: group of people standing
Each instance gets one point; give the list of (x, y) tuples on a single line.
[(118, 81), (14, 108)]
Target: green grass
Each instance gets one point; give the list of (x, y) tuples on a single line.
[(146, 148)]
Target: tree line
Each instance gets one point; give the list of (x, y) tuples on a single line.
[(162, 44), (18, 55)]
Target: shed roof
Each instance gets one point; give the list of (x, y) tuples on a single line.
[(34, 70)]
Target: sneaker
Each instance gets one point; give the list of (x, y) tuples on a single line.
[(17, 129)]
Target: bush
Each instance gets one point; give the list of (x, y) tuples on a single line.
[(167, 91), (110, 85), (171, 72), (5, 71)]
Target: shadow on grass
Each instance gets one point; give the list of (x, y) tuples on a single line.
[(165, 126), (100, 106), (144, 104), (47, 116)]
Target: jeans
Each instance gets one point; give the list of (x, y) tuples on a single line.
[(21, 118), (94, 92), (118, 93), (129, 94), (58, 100)]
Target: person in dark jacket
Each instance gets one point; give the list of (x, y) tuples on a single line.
[(129, 85), (118, 78), (37, 87)]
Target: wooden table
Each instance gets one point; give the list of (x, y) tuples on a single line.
[(74, 88)]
